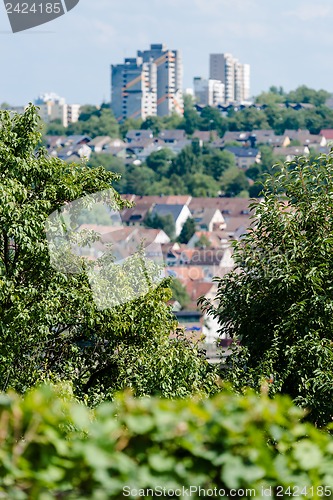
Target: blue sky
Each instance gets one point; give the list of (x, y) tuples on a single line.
[(286, 42)]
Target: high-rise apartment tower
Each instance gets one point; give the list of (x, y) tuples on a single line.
[(148, 85), (234, 75)]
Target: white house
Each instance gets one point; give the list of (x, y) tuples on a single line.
[(179, 213)]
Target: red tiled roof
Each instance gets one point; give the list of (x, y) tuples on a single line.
[(327, 133)]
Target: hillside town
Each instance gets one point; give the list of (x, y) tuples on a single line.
[(166, 240), (147, 91), (137, 145)]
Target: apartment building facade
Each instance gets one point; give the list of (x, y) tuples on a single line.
[(52, 107), (169, 78), (133, 89), (234, 75), (209, 92), (149, 85)]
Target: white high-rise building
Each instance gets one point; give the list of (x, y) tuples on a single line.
[(150, 84), (234, 75), (52, 107), (169, 87), (209, 92), (247, 82), (133, 89)]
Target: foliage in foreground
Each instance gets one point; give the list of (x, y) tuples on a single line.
[(279, 300), (51, 329), (53, 447)]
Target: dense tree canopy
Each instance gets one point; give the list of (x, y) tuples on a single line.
[(51, 328), (278, 302), (187, 231), (164, 222)]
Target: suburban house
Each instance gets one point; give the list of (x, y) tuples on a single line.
[(244, 157), (233, 207), (304, 138), (54, 141), (116, 151), (240, 137), (237, 226), (74, 152), (127, 241), (213, 262), (99, 144), (134, 135), (205, 136), (179, 213), (143, 147), (167, 200), (177, 147), (76, 140), (136, 215), (299, 105), (291, 152), (327, 133), (172, 136), (208, 219), (216, 239), (267, 137), (185, 273)]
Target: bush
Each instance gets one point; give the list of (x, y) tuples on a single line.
[(278, 301), (54, 447)]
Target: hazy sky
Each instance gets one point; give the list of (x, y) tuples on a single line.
[(286, 42)]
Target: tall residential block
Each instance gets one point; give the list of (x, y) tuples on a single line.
[(234, 75), (133, 89), (169, 78), (52, 107), (209, 92), (148, 85)]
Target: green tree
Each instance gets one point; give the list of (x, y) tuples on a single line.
[(51, 327), (173, 185), (185, 163), (179, 293), (253, 443), (55, 128), (101, 122), (291, 120), (164, 222), (256, 189), (211, 119), (5, 105), (174, 121), (268, 159), (203, 242), (191, 117), (233, 182), (201, 185), (87, 111), (153, 123), (274, 118), (129, 124), (249, 119), (273, 96), (307, 95), (112, 164), (217, 162), (278, 303), (139, 179), (160, 162), (187, 231)]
